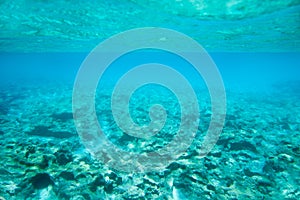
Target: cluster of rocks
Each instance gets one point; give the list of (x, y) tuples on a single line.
[(256, 157)]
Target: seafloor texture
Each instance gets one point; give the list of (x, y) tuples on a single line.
[(256, 157)]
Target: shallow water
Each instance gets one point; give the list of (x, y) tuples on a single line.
[(255, 47)]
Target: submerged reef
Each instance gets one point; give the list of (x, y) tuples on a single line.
[(257, 156)]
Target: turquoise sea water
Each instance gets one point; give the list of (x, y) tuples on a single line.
[(254, 44)]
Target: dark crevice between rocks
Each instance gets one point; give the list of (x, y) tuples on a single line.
[(98, 182), (41, 180), (224, 142), (67, 175), (44, 163), (108, 186), (242, 145), (30, 150), (44, 131), (211, 187)]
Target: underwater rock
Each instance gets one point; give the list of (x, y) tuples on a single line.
[(108, 187), (29, 150), (45, 162), (210, 166), (99, 181), (44, 131), (255, 168), (296, 151), (125, 139), (5, 173), (286, 158), (263, 185), (41, 180), (249, 173), (81, 197), (174, 166), (273, 166), (2, 121), (242, 145), (63, 157), (211, 187), (35, 158), (224, 141), (216, 154), (108, 182)]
